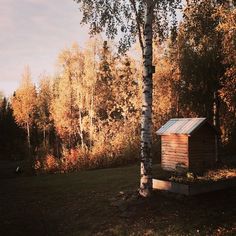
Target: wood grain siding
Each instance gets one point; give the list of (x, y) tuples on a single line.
[(202, 149), (174, 151), (189, 144)]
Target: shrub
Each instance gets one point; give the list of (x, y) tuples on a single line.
[(111, 148), (50, 164)]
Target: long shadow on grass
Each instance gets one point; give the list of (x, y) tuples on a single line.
[(60, 205), (170, 214)]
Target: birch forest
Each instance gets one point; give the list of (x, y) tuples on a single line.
[(87, 115)]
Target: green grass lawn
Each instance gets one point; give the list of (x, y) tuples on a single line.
[(90, 203)]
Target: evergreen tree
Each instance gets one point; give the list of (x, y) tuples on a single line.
[(105, 98), (200, 61), (43, 118), (12, 137)]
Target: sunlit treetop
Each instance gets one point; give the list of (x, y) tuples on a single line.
[(126, 18)]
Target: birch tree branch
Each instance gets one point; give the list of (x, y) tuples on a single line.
[(138, 24)]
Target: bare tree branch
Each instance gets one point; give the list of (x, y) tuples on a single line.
[(138, 24)]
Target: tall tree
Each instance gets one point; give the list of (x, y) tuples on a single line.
[(105, 99), (90, 79), (205, 56), (24, 104), (163, 84), (134, 18), (43, 117), (3, 106), (68, 103), (12, 137), (126, 88), (200, 57), (227, 27)]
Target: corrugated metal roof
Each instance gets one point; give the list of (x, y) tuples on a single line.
[(181, 126)]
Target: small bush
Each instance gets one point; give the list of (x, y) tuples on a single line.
[(49, 164)]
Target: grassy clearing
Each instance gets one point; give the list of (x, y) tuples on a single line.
[(90, 203)]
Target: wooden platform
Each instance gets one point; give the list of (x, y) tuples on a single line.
[(193, 188)]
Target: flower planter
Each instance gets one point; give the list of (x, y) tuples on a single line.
[(193, 188)]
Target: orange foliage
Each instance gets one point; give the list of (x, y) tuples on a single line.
[(50, 164), (122, 148)]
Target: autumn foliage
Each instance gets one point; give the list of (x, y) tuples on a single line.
[(87, 114)]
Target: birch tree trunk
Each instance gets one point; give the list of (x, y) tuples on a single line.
[(91, 119), (28, 136), (146, 117), (81, 129), (30, 160)]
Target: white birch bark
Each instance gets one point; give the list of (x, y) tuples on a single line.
[(28, 135), (91, 119), (30, 159), (146, 118), (81, 129)]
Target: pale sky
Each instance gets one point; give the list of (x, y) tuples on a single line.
[(33, 32)]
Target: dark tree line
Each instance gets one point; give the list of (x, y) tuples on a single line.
[(12, 137)]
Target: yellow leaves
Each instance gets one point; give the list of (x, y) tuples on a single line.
[(227, 27), (227, 18), (24, 100), (227, 93), (73, 101), (162, 85), (43, 103)]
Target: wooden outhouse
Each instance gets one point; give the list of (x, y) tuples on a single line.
[(188, 144)]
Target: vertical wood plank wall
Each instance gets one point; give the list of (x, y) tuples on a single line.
[(174, 150), (202, 149)]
